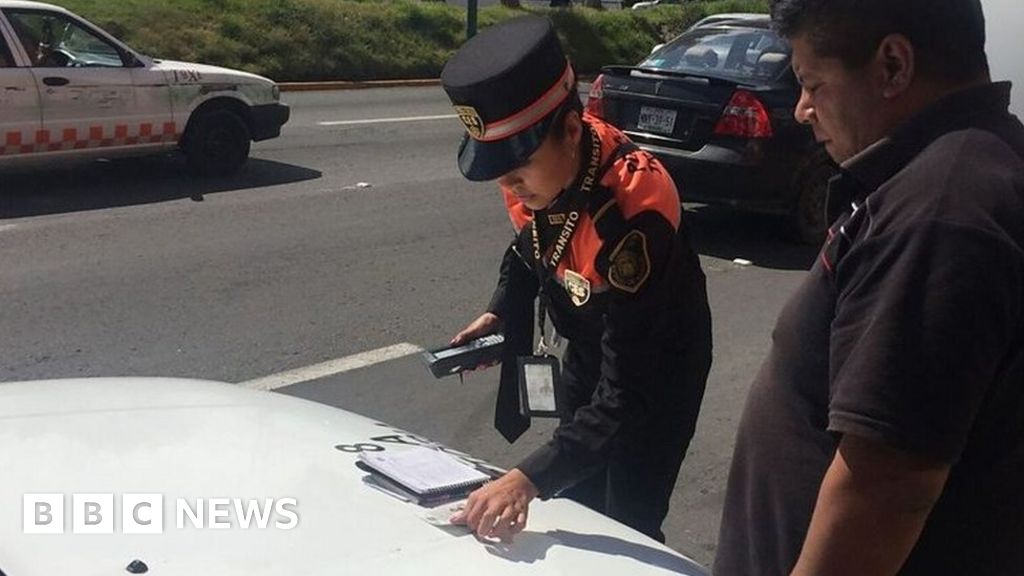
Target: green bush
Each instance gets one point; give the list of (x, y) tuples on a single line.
[(303, 40)]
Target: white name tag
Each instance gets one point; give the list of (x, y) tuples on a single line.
[(538, 380)]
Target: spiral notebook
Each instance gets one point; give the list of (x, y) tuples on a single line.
[(424, 472)]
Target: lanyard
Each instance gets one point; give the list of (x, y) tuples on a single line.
[(574, 197)]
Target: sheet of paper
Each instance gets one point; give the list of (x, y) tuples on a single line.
[(423, 470), (441, 518)]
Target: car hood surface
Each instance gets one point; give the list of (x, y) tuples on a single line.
[(191, 73), (191, 439)]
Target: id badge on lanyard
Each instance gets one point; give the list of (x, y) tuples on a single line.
[(538, 382), (539, 373)]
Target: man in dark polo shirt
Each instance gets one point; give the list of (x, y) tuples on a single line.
[(884, 434)]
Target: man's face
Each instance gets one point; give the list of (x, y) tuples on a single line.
[(844, 107), (548, 170)]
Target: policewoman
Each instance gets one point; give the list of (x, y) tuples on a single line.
[(601, 248)]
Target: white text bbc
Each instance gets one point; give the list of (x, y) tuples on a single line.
[(144, 513)]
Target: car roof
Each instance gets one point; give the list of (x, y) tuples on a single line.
[(30, 5), (196, 439), (734, 19)]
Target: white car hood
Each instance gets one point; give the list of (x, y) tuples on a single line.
[(192, 439), (204, 73)]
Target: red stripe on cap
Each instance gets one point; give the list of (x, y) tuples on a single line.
[(541, 107)]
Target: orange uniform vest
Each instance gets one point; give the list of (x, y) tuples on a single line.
[(633, 184)]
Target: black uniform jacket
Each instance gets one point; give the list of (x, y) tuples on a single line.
[(628, 290)]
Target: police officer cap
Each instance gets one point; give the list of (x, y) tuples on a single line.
[(507, 84)]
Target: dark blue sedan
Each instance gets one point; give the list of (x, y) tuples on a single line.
[(716, 105)]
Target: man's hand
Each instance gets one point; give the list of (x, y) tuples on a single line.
[(487, 323), (499, 509)]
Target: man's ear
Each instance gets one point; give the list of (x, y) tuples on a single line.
[(895, 59)]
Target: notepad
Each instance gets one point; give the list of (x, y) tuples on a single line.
[(424, 472)]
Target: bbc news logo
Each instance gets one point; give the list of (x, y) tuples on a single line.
[(145, 513)]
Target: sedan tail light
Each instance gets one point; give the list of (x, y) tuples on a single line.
[(595, 101), (744, 116)]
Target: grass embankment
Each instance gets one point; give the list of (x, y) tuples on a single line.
[(306, 40)]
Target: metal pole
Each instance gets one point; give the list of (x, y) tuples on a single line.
[(470, 18)]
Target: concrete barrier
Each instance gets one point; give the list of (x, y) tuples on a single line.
[(355, 84)]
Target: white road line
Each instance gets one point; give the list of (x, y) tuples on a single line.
[(386, 120), (332, 367), (6, 227)]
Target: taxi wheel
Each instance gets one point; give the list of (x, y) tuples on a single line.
[(217, 144)]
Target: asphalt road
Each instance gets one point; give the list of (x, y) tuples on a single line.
[(335, 240)]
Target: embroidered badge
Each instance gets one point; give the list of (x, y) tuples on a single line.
[(630, 265), (578, 287), (471, 118)]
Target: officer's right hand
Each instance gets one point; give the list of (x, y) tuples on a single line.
[(487, 323)]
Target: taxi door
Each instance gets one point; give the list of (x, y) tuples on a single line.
[(85, 86), (20, 115)]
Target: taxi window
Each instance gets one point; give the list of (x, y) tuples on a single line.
[(6, 60), (55, 41)]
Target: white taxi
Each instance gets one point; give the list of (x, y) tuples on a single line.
[(70, 91), (184, 477)]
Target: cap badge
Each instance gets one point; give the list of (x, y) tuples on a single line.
[(471, 118)]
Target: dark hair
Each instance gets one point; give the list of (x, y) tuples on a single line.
[(948, 35)]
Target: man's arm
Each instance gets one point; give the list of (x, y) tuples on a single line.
[(871, 508)]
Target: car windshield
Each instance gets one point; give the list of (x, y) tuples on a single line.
[(737, 54)]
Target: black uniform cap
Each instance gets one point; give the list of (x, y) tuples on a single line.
[(507, 84)]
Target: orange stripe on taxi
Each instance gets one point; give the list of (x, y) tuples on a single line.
[(22, 142)]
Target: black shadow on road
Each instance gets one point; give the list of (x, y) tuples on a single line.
[(723, 232), (130, 182)]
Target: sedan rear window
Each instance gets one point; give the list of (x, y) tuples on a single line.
[(740, 55)]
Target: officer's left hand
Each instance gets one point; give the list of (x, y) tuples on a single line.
[(499, 509)]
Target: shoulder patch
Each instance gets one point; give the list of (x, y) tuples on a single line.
[(630, 264)]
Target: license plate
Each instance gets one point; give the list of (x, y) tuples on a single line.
[(656, 120)]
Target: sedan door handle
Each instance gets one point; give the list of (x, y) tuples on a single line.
[(56, 81)]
